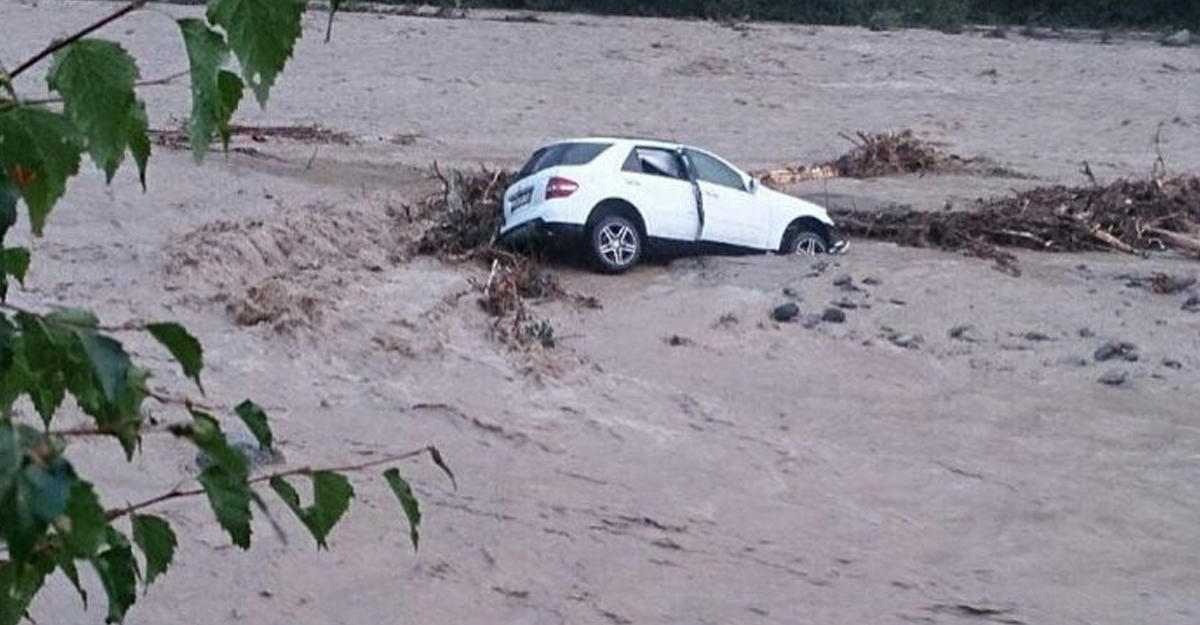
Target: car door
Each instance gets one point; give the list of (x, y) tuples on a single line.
[(657, 182), (732, 214)]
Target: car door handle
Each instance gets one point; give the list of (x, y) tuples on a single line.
[(709, 194), (633, 183)]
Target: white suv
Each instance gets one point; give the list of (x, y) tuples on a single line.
[(620, 195)]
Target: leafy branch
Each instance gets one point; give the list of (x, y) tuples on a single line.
[(51, 518), (178, 493)]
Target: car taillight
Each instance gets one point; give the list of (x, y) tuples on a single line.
[(560, 187)]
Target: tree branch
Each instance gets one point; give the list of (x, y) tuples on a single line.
[(179, 493), (165, 80), (59, 44)]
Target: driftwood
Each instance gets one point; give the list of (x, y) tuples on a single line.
[(1175, 239), (1131, 217), (872, 155)]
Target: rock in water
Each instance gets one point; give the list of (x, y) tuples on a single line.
[(833, 315), (785, 312), (1116, 349), (1177, 39)]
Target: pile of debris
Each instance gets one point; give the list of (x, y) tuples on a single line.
[(467, 214), (890, 153), (1126, 216), (178, 137), (872, 155)]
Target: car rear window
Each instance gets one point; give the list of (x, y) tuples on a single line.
[(561, 154)]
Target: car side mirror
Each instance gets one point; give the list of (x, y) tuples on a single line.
[(752, 186)]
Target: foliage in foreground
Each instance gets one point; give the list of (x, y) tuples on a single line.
[(51, 517)]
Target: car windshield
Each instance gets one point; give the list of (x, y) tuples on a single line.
[(562, 154)]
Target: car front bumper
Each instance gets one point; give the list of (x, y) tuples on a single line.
[(838, 243)]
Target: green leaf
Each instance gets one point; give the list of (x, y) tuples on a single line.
[(118, 574), (155, 538), (262, 33), (19, 583), (8, 203), (39, 151), (84, 523), (331, 497), (224, 481), (229, 498), (184, 348), (14, 261), (8, 218), (229, 92), (36, 369), (211, 95), (207, 435), (34, 485), (138, 136), (96, 79), (109, 363), (256, 420), (408, 501)]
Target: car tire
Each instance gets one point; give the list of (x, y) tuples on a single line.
[(804, 241), (615, 243)]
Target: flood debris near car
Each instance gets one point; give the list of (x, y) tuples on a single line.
[(878, 154), (1127, 216)]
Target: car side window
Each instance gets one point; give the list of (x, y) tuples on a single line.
[(709, 169), (655, 162)]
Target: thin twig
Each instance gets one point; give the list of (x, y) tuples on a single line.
[(86, 431), (178, 493), (165, 80), (59, 44)]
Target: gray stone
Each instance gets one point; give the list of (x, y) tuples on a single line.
[(907, 341), (833, 315), (1192, 304), (964, 332), (1114, 377), (1171, 363), (785, 312), (1116, 349), (844, 281)]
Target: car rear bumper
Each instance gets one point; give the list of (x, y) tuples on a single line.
[(540, 230)]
